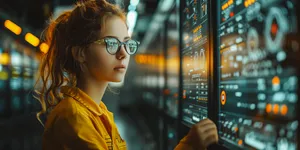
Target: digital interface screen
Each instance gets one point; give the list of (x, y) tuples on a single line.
[(172, 64), (259, 56), (194, 60)]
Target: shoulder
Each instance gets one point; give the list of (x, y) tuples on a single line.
[(67, 111), (66, 107)]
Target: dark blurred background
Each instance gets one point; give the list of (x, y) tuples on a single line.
[(235, 62), (20, 58)]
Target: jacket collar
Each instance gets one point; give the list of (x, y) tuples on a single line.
[(84, 99)]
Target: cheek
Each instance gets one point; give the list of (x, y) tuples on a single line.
[(127, 60), (99, 59)]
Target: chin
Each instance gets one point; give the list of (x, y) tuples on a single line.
[(117, 79)]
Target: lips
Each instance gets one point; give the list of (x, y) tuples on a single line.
[(120, 67)]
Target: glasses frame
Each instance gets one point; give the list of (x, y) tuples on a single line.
[(103, 40)]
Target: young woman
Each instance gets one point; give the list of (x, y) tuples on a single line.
[(90, 47)]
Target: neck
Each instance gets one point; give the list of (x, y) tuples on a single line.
[(94, 89)]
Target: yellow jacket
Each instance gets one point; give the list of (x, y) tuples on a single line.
[(78, 123)]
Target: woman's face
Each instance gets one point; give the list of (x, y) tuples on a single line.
[(100, 64)]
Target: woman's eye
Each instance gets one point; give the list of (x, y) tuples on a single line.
[(112, 43)]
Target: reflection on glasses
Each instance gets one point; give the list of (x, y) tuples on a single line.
[(113, 45)]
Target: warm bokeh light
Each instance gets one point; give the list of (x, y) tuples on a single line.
[(149, 59), (3, 75), (31, 39), (44, 48), (247, 3), (226, 5), (13, 27), (4, 58)]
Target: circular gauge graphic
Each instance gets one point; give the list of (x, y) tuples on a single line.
[(223, 98), (252, 43), (199, 60), (196, 60), (202, 59), (276, 26)]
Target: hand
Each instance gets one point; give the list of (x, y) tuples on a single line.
[(203, 134)]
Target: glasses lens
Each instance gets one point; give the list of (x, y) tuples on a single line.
[(112, 45), (131, 47)]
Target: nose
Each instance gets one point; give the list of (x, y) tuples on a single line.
[(121, 54)]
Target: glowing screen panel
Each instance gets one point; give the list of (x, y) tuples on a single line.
[(259, 56), (194, 60)]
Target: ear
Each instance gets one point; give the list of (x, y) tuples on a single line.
[(78, 54)]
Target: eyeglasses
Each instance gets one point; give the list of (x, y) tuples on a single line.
[(113, 45)]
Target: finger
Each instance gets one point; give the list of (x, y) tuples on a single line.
[(206, 127), (203, 122), (207, 133), (211, 132), (212, 139)]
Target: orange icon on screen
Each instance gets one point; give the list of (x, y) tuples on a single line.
[(184, 94), (223, 97), (276, 80), (236, 129), (240, 142), (175, 95), (167, 91), (269, 108), (283, 110), (274, 29), (276, 109)]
